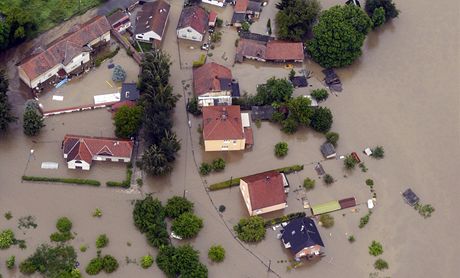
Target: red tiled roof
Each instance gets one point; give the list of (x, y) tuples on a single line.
[(66, 47), (118, 105), (85, 147), (117, 17), (248, 135), (212, 16), (222, 123), (282, 50), (153, 17), (207, 78), (241, 6), (195, 17), (251, 48), (265, 189)]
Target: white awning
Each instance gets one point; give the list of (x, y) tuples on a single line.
[(99, 99), (245, 120)]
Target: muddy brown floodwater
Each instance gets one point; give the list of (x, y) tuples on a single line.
[(403, 93)]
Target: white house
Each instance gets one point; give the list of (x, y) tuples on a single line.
[(151, 21), (218, 3), (193, 23), (80, 151)]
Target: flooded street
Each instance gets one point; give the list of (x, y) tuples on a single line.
[(401, 94)]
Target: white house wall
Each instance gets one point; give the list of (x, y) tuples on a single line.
[(145, 37), (204, 101), (111, 158), (73, 164), (105, 37), (213, 2), (77, 61), (189, 33), (45, 76)]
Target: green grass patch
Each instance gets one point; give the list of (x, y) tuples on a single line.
[(290, 169), (125, 183), (101, 57), (62, 180), (146, 47)]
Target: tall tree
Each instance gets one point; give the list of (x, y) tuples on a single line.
[(33, 121), (275, 90), (127, 121), (6, 117), (155, 70), (155, 162), (295, 18), (389, 7)]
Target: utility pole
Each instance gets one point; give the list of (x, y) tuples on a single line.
[(269, 264)]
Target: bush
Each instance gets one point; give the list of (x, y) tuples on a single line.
[(32, 121), (11, 262), (328, 179), (193, 107), (8, 215), (182, 261), (94, 266), (381, 264), (218, 164), (6, 239), (216, 253), (219, 22), (64, 225), (216, 36), (375, 248), (321, 120), (200, 61), (57, 261), (245, 26), (205, 168), (97, 212), (119, 74), (225, 184), (61, 237), (389, 8), (364, 220), (290, 169), (378, 152), (424, 210), (102, 241), (83, 248), (370, 182), (176, 206), (284, 218), (250, 229), (27, 267), (309, 184), (281, 149), (146, 261), (332, 137), (289, 126), (61, 180), (349, 162), (351, 239), (363, 167), (187, 225), (378, 18), (320, 94), (326, 220), (109, 263)]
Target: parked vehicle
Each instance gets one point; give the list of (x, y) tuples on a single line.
[(173, 235), (205, 46), (410, 197)]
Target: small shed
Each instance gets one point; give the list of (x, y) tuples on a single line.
[(410, 197), (245, 120), (212, 19), (328, 150), (347, 203), (262, 112), (299, 81), (325, 207), (129, 91)]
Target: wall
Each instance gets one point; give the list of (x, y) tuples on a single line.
[(77, 61), (269, 209), (73, 164), (212, 2), (111, 158), (216, 145), (209, 100), (145, 37), (104, 37), (245, 192), (45, 76), (188, 33)]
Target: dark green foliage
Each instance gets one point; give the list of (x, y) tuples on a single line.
[(328, 179), (291, 73), (424, 210), (94, 266), (187, 225), (375, 248), (27, 222), (182, 261), (126, 183), (192, 106), (102, 241), (321, 120), (351, 239), (250, 229), (269, 27), (218, 164), (308, 183), (219, 22), (339, 36), (295, 18), (378, 152), (154, 161), (6, 117), (33, 121), (6, 238), (149, 218), (370, 182), (245, 26), (178, 205), (378, 18), (109, 263), (388, 6), (289, 126), (326, 220), (225, 184), (364, 220), (8, 215), (127, 121), (216, 253), (349, 162), (300, 110), (278, 117), (64, 225), (275, 90), (50, 261), (61, 236), (320, 94), (205, 168), (281, 149), (11, 262), (332, 137), (380, 264), (62, 180), (284, 218)]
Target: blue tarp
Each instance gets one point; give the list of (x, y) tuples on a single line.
[(62, 82)]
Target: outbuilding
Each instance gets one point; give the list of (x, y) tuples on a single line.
[(328, 150)]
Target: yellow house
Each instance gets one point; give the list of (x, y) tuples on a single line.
[(263, 192), (223, 129)]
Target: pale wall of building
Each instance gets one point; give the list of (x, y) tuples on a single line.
[(213, 2), (245, 192), (73, 164), (224, 145), (268, 209), (189, 33)]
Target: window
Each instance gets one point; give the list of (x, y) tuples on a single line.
[(234, 142), (226, 141), (224, 148), (189, 30)]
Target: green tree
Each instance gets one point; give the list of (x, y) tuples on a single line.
[(281, 149), (378, 152), (295, 18), (250, 229), (155, 70), (321, 120), (275, 90), (102, 241), (170, 145), (177, 205), (187, 225), (6, 238), (149, 218), (218, 164), (110, 264), (378, 17), (300, 110), (94, 266), (309, 184), (64, 225), (205, 168), (380, 264), (216, 37), (320, 94), (182, 261), (192, 106), (219, 22), (245, 26), (332, 137), (349, 162), (11, 262), (289, 125), (33, 121), (155, 162), (146, 261), (50, 261), (119, 74), (339, 36), (389, 7), (326, 220), (127, 121), (375, 248), (6, 116), (216, 253), (328, 179)]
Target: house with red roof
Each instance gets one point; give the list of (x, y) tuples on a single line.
[(264, 192), (270, 51), (212, 19), (151, 21), (67, 54), (193, 23), (213, 84), (224, 130), (119, 21), (80, 151)]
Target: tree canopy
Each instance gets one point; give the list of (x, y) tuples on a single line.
[(6, 117), (127, 121), (339, 36), (275, 90), (250, 229), (390, 10), (321, 119), (182, 261), (177, 205), (50, 261), (33, 121), (187, 225), (295, 18)]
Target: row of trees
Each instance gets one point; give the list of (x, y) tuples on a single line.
[(6, 116), (19, 24), (158, 101)]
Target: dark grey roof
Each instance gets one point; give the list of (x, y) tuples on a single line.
[(410, 197), (299, 81), (225, 84), (256, 37), (262, 112), (129, 91), (301, 233), (235, 89), (153, 17), (327, 149), (238, 18), (254, 6)]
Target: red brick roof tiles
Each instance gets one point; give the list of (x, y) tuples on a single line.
[(195, 17), (153, 17), (282, 50), (207, 78), (241, 6), (265, 189), (222, 123)]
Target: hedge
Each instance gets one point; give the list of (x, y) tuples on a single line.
[(284, 218), (290, 169), (62, 180), (105, 56), (126, 183), (200, 61)]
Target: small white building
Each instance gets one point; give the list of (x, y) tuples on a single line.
[(193, 23), (151, 21), (218, 3)]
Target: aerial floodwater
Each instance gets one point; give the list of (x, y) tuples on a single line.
[(403, 93)]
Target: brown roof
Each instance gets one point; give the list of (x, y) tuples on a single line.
[(265, 189), (282, 50), (222, 123), (85, 147), (195, 17), (249, 136), (66, 47), (207, 78), (153, 17), (241, 6), (212, 16), (251, 48), (117, 17)]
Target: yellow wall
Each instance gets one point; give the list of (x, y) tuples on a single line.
[(269, 209), (219, 145), (245, 192)]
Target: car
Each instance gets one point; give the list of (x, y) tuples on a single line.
[(410, 197), (173, 235), (205, 46)]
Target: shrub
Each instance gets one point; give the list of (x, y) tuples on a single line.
[(56, 261), (139, 182), (289, 126), (250, 229), (284, 218), (281, 149), (349, 162), (216, 253), (321, 120), (381, 264), (320, 94), (328, 179), (200, 61), (177, 205), (378, 152), (187, 225), (389, 8), (216, 36), (326, 220), (61, 236), (62, 180), (146, 261), (378, 18), (290, 169), (225, 184), (205, 168), (351, 239), (8, 215), (192, 106), (219, 22), (94, 266), (363, 167), (218, 164), (102, 241), (64, 225), (83, 248), (245, 26), (375, 248), (309, 184), (364, 220), (370, 182), (10, 262), (109, 263), (332, 137), (6, 239), (97, 212), (27, 267), (424, 210)]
